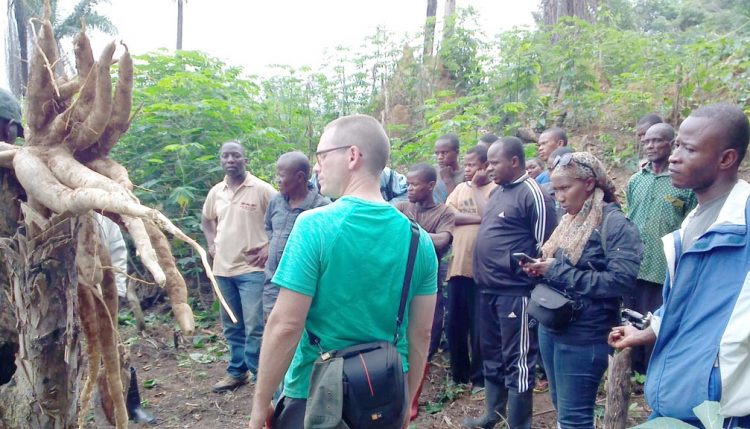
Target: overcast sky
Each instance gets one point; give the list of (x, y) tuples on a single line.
[(253, 34)]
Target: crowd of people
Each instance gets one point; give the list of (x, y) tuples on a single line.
[(318, 266), (494, 230)]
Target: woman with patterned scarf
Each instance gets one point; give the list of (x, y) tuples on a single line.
[(593, 256)]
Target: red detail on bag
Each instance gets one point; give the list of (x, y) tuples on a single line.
[(367, 374)]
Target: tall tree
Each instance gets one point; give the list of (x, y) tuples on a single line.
[(553, 10), (180, 6), (429, 28), (19, 30), (449, 18)]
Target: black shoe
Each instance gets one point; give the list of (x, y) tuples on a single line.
[(136, 413)]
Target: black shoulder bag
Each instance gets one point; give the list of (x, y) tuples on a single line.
[(374, 385), (553, 308)]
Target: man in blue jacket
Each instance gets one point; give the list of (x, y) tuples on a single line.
[(702, 341)]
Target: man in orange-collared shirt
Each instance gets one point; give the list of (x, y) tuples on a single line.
[(233, 223)]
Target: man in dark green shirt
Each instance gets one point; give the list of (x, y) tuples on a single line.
[(657, 208)]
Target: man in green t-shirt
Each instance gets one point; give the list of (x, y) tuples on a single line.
[(657, 208), (341, 275)]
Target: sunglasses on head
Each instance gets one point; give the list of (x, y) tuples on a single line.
[(565, 159)]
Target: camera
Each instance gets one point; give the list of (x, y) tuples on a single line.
[(635, 318)]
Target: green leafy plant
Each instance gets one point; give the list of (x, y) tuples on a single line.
[(709, 414)]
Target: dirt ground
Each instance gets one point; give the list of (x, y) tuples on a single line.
[(176, 382)]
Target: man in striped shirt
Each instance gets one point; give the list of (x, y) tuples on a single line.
[(518, 218)]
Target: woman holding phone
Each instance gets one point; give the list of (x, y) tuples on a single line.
[(593, 257)]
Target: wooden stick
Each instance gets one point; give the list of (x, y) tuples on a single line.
[(618, 390)]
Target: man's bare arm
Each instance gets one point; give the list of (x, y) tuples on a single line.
[(629, 336), (209, 231), (280, 339), (467, 219), (441, 240), (421, 311)]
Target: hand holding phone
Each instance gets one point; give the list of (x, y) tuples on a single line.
[(524, 258)]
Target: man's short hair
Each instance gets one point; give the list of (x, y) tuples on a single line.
[(512, 146), (368, 135), (480, 151), (425, 171), (557, 134), (650, 120), (452, 139), (489, 138), (664, 130), (297, 161), (242, 148), (733, 122)]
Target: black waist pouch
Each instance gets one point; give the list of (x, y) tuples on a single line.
[(552, 308)]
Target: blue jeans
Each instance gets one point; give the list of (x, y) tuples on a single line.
[(574, 373), (244, 294)]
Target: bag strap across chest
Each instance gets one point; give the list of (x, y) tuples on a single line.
[(406, 285)]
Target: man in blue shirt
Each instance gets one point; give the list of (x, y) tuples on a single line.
[(701, 351), (549, 140)]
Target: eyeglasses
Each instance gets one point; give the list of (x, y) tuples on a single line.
[(565, 159), (320, 158)]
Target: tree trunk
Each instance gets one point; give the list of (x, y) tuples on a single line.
[(44, 390), (17, 48), (553, 10), (618, 390), (449, 18), (10, 191), (429, 29), (180, 6)]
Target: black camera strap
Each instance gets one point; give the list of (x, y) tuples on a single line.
[(413, 245)]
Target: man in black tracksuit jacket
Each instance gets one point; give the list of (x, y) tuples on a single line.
[(519, 218)]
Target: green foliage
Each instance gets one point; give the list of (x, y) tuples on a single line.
[(638, 377), (189, 104), (709, 414), (594, 79), (460, 51)]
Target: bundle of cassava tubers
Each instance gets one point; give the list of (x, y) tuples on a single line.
[(65, 169)]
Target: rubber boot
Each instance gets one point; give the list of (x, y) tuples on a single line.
[(495, 401), (520, 407), (414, 409), (133, 403)]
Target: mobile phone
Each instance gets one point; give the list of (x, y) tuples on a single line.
[(526, 259)]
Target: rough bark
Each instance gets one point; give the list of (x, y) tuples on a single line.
[(449, 18), (180, 7), (429, 29), (553, 10), (10, 192), (43, 392), (618, 390), (16, 51)]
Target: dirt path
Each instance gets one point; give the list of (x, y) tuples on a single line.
[(181, 378)]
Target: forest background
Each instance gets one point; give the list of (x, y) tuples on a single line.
[(590, 66)]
